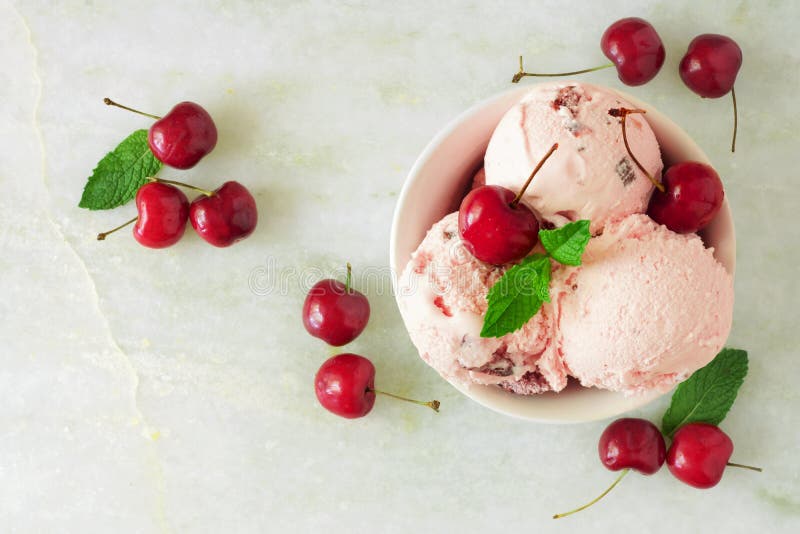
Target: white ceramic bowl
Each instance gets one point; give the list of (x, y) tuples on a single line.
[(437, 183)]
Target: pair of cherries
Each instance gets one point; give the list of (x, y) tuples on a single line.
[(221, 217), (709, 67), (180, 140), (698, 455), (337, 314)]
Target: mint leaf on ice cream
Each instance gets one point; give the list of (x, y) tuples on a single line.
[(709, 393), (522, 290), (517, 296), (566, 244), (120, 174)]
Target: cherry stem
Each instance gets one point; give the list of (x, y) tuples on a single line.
[(521, 74), (433, 405), (587, 505), (622, 113), (349, 278), (742, 466), (108, 102), (102, 236), (181, 184), (530, 178), (735, 120)]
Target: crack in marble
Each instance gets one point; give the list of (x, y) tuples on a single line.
[(148, 432)]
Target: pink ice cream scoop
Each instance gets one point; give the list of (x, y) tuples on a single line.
[(647, 308), (442, 297), (590, 176)]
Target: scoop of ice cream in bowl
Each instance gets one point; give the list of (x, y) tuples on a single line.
[(645, 309)]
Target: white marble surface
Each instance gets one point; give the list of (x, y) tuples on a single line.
[(162, 391)]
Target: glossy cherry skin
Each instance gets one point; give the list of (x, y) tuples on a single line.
[(631, 443), (333, 314), (492, 230), (227, 216), (710, 65), (692, 199), (183, 136), (635, 48), (163, 211), (698, 454), (345, 385)]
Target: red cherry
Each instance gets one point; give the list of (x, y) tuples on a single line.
[(334, 312), (493, 231), (635, 48), (345, 385), (692, 199), (226, 216), (494, 226), (627, 444), (163, 211), (698, 454), (183, 136), (630, 443), (709, 68), (710, 65)]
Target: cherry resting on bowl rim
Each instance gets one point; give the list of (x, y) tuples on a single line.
[(692, 199)]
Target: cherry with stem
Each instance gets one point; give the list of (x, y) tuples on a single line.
[(625, 444), (335, 312), (153, 180), (622, 114), (709, 68), (182, 137), (345, 386), (495, 226)]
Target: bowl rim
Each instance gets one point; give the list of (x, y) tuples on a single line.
[(477, 393)]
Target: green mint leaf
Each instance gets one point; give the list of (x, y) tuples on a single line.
[(120, 174), (708, 394), (517, 296), (566, 244)]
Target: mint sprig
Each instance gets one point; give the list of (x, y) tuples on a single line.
[(519, 294), (708, 394), (566, 244), (120, 174)]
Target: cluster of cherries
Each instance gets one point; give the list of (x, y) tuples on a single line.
[(180, 140), (337, 314), (697, 456), (709, 66)]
